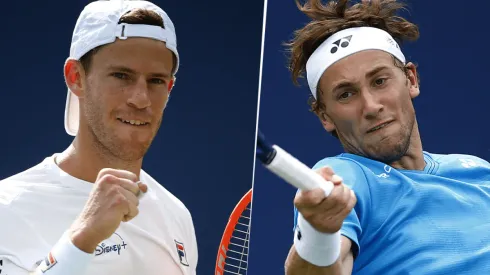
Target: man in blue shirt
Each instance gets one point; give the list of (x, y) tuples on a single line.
[(410, 212)]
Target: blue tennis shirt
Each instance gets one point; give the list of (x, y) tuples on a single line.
[(431, 222)]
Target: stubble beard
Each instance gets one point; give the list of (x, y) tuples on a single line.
[(107, 143), (386, 150)]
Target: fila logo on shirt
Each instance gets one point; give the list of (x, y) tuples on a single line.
[(342, 42), (181, 253)]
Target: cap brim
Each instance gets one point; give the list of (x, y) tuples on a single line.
[(71, 114)]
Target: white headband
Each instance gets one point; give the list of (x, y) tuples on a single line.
[(345, 43)]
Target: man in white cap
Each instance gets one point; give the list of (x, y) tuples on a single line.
[(411, 211), (92, 209)]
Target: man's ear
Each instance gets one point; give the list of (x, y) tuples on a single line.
[(326, 121), (171, 84), (413, 80), (74, 75)]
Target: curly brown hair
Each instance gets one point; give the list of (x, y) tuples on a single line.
[(334, 16)]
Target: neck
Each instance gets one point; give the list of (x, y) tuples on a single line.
[(85, 157), (414, 157)]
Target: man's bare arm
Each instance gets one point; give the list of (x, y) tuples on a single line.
[(295, 265)]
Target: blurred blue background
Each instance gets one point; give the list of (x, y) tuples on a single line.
[(205, 148), (452, 110)]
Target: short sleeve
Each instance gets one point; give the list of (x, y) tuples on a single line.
[(354, 177), (192, 236), (19, 242)]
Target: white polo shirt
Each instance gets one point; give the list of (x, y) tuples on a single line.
[(38, 205)]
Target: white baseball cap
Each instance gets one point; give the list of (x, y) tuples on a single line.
[(98, 25)]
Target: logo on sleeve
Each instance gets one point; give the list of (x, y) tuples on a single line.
[(48, 263), (181, 253)]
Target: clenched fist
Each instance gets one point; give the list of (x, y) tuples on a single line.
[(113, 199), (326, 214)]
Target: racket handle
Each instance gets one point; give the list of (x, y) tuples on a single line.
[(297, 173)]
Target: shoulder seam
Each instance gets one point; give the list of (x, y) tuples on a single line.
[(363, 173)]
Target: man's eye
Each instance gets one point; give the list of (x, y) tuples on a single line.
[(380, 81), (345, 95), (120, 75), (157, 81)]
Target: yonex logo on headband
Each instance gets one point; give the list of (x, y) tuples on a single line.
[(343, 42)]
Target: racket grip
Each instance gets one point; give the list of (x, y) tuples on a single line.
[(297, 173)]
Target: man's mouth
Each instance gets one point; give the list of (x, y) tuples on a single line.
[(379, 126), (133, 122)]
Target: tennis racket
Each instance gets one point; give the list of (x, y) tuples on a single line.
[(233, 250), (287, 167)]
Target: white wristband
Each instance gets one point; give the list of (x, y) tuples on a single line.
[(320, 249), (65, 258)]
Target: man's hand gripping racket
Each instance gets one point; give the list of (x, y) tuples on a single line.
[(289, 168), (323, 203)]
